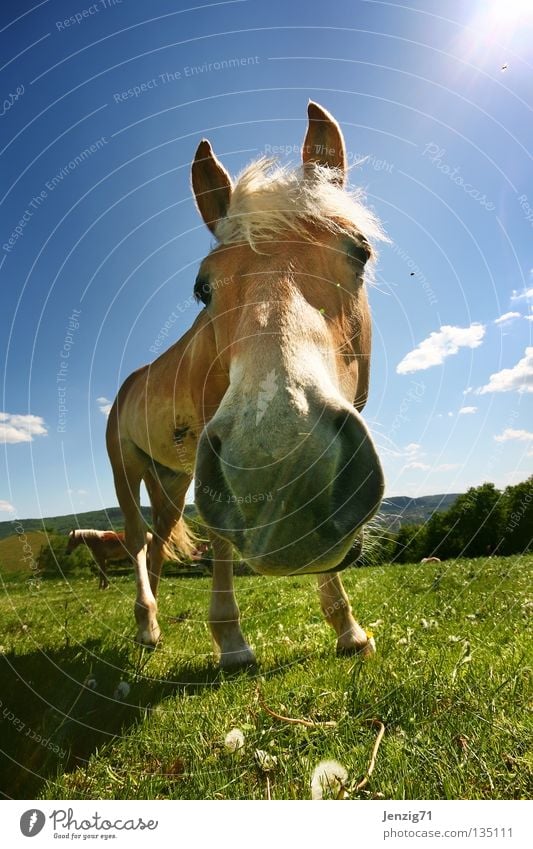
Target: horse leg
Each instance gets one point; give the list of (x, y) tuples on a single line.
[(224, 611), (351, 638), (129, 466), (104, 579), (167, 490), (103, 583)]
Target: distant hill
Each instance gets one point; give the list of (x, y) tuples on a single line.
[(102, 520), (403, 510), (99, 519), (13, 549), (394, 512)]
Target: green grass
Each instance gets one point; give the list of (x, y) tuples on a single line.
[(452, 691)]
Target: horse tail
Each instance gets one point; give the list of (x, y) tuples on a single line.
[(181, 541)]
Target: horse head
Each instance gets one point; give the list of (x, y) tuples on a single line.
[(286, 469)]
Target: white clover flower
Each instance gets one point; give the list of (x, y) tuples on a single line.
[(234, 740), (121, 691), (328, 777), (264, 760)]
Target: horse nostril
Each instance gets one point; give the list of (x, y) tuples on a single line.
[(340, 420), (215, 442)]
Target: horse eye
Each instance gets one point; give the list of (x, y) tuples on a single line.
[(202, 290)]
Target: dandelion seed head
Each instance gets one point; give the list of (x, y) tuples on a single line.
[(234, 740), (329, 777)]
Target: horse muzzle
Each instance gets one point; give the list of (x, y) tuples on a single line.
[(299, 514)]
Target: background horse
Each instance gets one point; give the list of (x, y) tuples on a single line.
[(105, 547), (261, 397)]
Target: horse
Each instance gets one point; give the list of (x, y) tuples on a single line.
[(105, 547), (260, 400)]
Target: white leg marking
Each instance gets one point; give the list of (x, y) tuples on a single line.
[(224, 611), (148, 631)]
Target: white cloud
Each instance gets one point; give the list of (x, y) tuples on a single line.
[(425, 467), (522, 296), (413, 455), (439, 345), (405, 452), (519, 378), (528, 317), (467, 411), (16, 428), (104, 405), (6, 507), (507, 317), (510, 433)]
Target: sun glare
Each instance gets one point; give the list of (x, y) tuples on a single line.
[(506, 14), (499, 26)]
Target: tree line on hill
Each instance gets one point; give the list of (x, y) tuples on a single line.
[(483, 521)]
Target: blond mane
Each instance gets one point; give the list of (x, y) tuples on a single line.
[(268, 200), (85, 533)]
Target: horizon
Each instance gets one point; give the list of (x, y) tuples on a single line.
[(13, 520), (101, 239)]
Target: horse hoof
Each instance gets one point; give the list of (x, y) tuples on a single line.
[(365, 651), (149, 639), (242, 659)]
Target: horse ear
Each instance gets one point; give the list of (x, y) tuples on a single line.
[(211, 185), (324, 142)]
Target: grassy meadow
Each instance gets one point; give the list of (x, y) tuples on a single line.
[(451, 684)]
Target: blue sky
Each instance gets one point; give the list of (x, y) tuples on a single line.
[(104, 104)]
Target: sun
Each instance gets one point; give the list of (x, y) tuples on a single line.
[(498, 24), (506, 13)]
